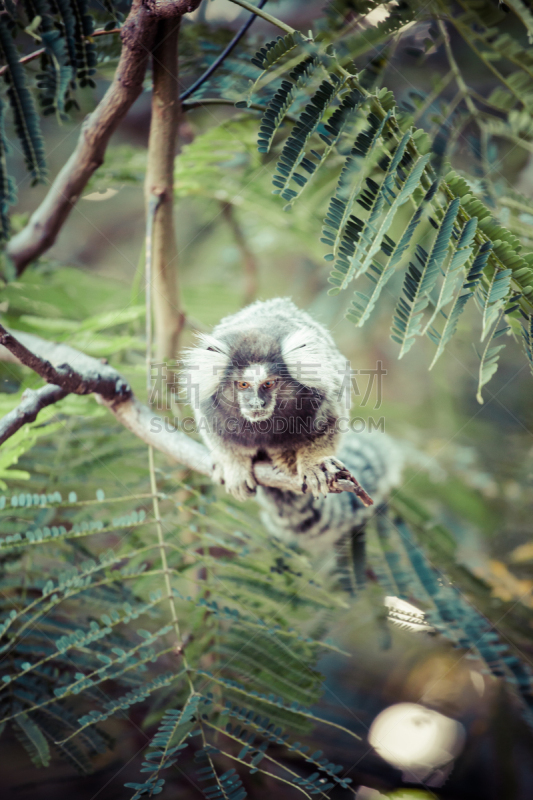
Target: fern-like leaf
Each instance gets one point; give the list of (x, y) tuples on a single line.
[(279, 105), (490, 356), (419, 282), (272, 733), (54, 81), (67, 27), (168, 742), (401, 180), (349, 185), (335, 126), (269, 55), (227, 786), (137, 695), (396, 188), (493, 298), (461, 299), (33, 740), (85, 48), (379, 274), (462, 252), (293, 152), (26, 120), (7, 185), (271, 52)]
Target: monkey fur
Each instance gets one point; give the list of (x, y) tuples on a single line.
[(268, 384)]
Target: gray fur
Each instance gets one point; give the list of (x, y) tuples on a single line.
[(322, 523), (275, 339), (293, 423)]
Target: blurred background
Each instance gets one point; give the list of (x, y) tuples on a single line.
[(471, 465)]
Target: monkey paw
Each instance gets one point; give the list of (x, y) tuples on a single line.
[(237, 477), (317, 477)]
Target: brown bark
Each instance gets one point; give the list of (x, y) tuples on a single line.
[(64, 367), (159, 181), (138, 35)]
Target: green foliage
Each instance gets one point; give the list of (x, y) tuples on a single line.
[(85, 48), (7, 186), (408, 573), (175, 727), (63, 29), (55, 80), (25, 115), (388, 164), (461, 298), (127, 643), (282, 100), (273, 51), (223, 665), (89, 632)]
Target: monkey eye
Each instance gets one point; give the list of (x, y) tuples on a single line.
[(268, 384), (243, 385)]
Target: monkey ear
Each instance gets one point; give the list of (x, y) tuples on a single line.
[(295, 341), (208, 342), (206, 364), (305, 358)]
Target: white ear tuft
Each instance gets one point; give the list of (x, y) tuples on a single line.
[(204, 367), (295, 341), (304, 357), (211, 343)]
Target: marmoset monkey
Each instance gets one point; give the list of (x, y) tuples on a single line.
[(269, 383)]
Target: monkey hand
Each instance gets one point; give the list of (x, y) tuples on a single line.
[(317, 476), (236, 474)]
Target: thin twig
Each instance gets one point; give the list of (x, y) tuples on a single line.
[(218, 101), (223, 55), (248, 258), (263, 14), (457, 74), (41, 51), (153, 205)]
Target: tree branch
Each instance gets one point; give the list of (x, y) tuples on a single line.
[(138, 35), (86, 377), (32, 402), (72, 368), (159, 182)]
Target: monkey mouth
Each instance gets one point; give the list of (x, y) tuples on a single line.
[(256, 416)]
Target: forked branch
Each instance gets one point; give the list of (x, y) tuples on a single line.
[(138, 35), (73, 372)]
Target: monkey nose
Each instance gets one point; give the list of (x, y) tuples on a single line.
[(256, 402)]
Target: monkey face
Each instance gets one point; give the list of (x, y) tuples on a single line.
[(256, 389)]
